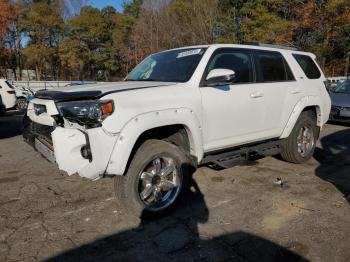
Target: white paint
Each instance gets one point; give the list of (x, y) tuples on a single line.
[(8, 100), (44, 118), (68, 142), (219, 72)]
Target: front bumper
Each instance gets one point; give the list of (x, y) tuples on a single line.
[(67, 144)]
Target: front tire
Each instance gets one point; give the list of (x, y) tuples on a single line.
[(299, 147), (157, 176)]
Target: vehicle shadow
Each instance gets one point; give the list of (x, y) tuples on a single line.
[(345, 124), (11, 124), (334, 159), (177, 238)]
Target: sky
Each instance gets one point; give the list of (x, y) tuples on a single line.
[(117, 4)]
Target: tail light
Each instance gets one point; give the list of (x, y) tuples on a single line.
[(11, 92)]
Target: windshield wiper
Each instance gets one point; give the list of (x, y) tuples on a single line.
[(154, 80), (151, 79)]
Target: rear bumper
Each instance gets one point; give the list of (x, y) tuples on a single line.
[(10, 101), (339, 115), (68, 143), (339, 119)]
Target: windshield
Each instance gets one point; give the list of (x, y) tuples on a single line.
[(169, 66), (343, 88)]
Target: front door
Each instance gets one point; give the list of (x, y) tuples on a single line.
[(232, 114)]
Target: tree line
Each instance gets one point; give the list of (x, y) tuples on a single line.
[(69, 40)]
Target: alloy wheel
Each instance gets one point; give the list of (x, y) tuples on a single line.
[(159, 183)]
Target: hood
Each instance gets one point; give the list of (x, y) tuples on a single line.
[(339, 99), (95, 91)]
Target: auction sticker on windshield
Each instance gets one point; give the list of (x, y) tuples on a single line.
[(189, 53)]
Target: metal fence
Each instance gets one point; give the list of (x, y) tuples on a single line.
[(40, 85)]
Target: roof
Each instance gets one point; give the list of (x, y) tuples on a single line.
[(257, 46)]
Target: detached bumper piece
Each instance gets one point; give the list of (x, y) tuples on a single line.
[(45, 150), (86, 152)]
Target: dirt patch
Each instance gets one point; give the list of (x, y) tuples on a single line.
[(282, 213), (217, 179), (8, 180), (238, 214)]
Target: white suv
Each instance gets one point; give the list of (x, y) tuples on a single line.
[(8, 94), (214, 104)]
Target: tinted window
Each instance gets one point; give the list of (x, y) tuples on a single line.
[(308, 65), (236, 60), (271, 67)]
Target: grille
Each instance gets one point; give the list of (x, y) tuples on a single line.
[(42, 132)]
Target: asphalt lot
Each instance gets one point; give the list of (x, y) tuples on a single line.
[(238, 214)]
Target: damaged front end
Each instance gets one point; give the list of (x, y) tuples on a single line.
[(70, 133)]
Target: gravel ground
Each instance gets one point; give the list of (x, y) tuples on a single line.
[(238, 214)]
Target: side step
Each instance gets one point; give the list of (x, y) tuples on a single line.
[(237, 156)]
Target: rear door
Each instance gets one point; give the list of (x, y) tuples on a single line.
[(281, 91)]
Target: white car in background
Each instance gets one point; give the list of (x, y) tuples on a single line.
[(23, 94), (8, 94), (2, 107)]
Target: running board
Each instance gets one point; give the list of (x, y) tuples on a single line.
[(243, 154)]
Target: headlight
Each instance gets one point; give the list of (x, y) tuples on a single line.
[(90, 113)]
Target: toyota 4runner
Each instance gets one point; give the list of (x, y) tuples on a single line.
[(203, 105)]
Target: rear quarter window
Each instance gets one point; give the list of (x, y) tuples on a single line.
[(308, 65)]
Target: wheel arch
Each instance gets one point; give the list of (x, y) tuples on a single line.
[(180, 127), (306, 104)]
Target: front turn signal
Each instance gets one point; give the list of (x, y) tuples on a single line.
[(107, 108)]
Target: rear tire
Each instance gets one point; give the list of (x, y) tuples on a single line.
[(2, 110), (301, 143), (155, 180), (22, 103)]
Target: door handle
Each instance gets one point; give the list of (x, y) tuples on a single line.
[(256, 95), (296, 91)]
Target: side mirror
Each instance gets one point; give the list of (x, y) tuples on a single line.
[(219, 77)]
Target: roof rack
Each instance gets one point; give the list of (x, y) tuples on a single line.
[(287, 47)]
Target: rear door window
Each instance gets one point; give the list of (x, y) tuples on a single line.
[(308, 65), (272, 67)]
